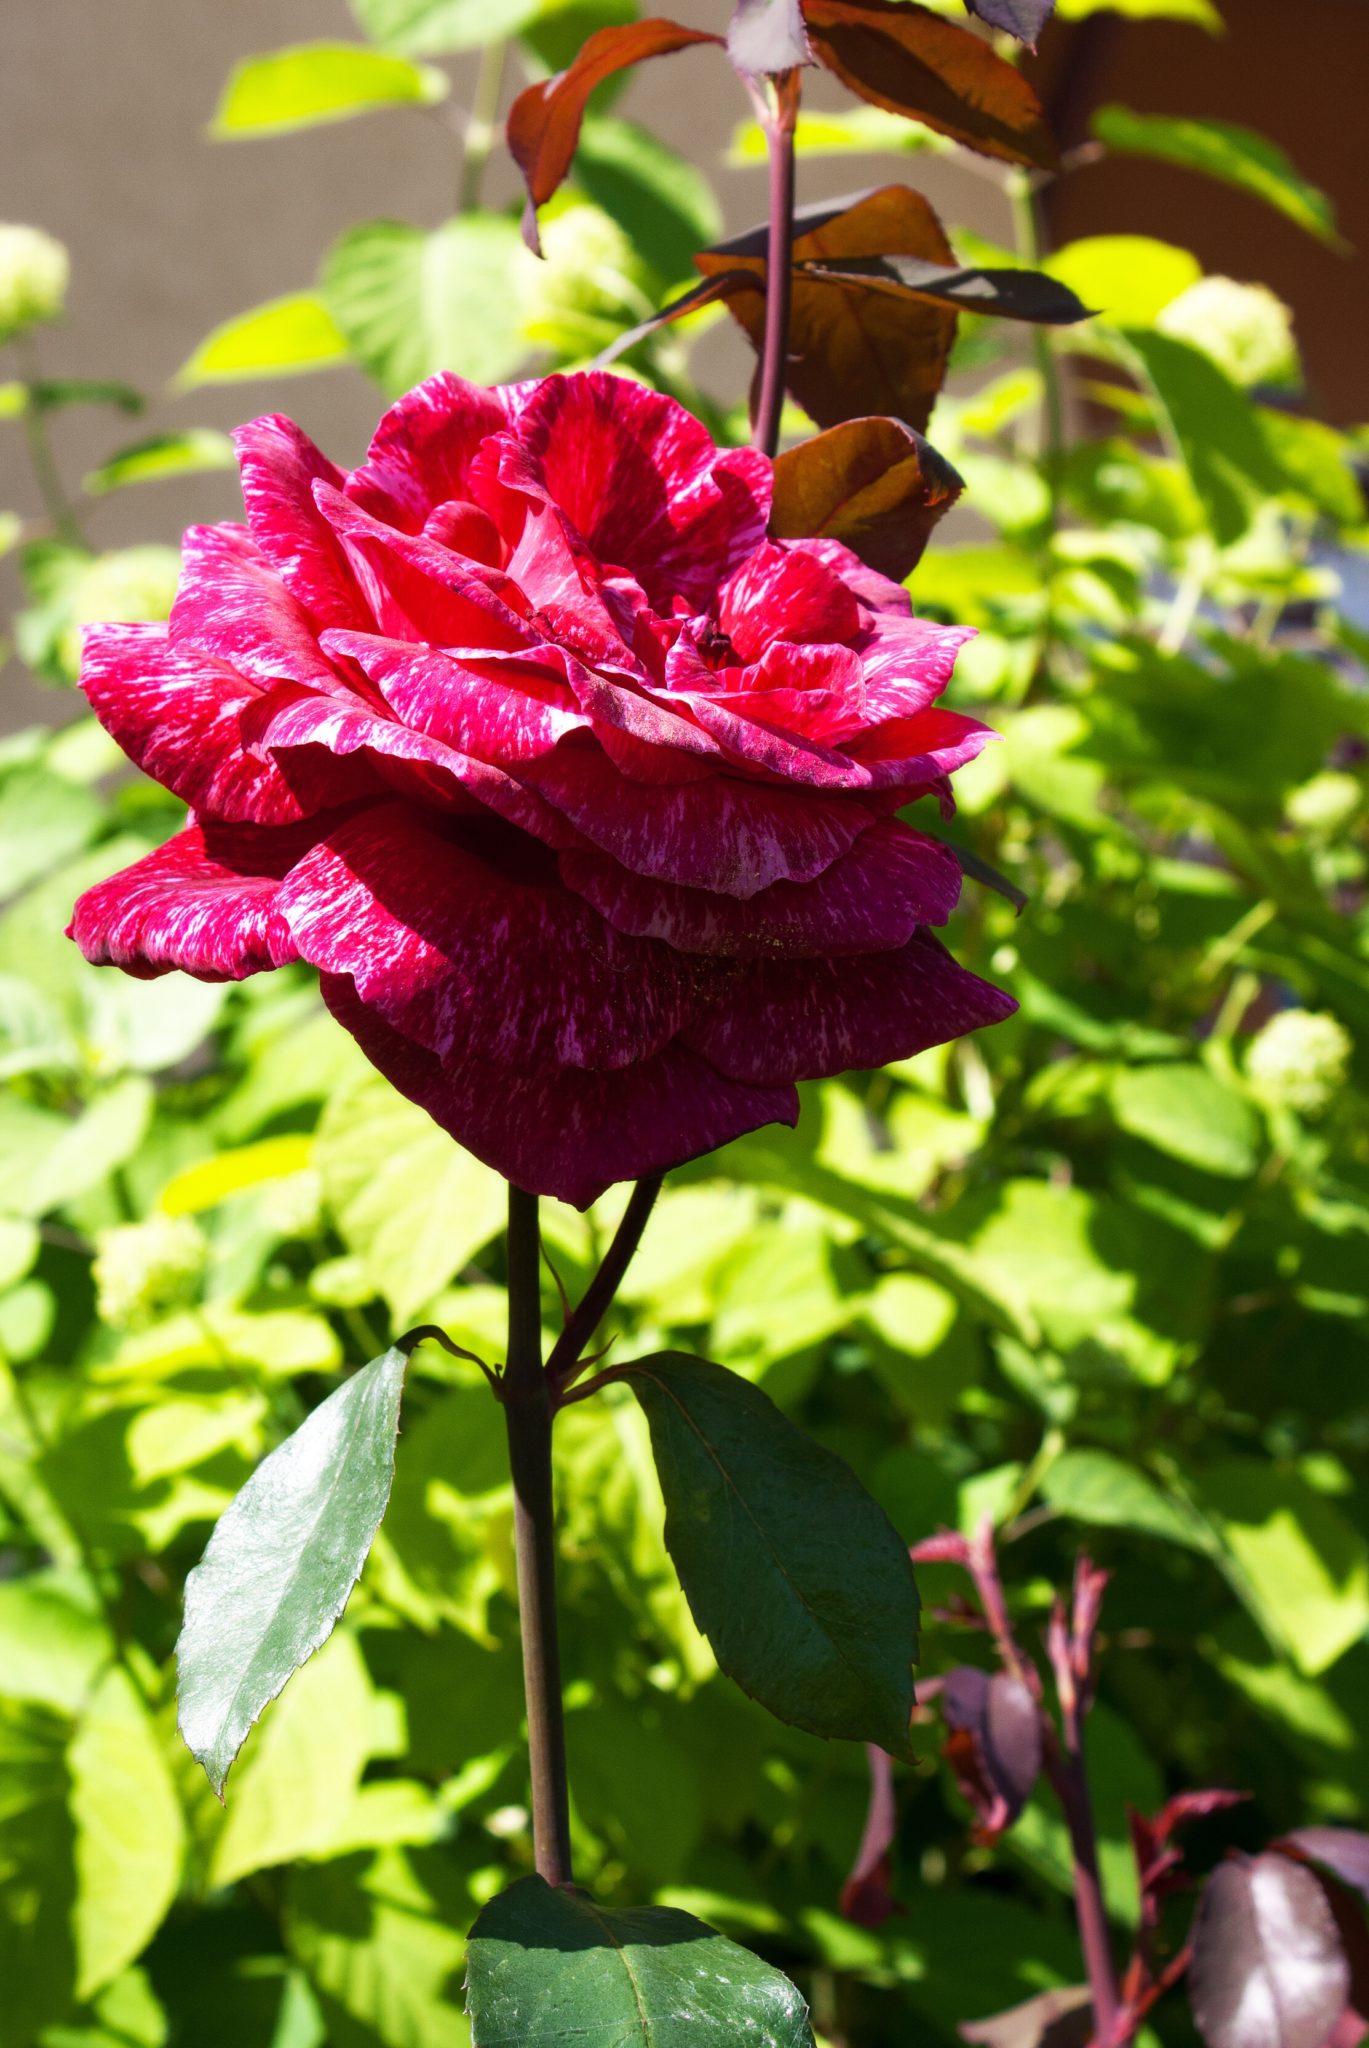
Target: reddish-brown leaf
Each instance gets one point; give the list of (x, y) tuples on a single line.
[(872, 483), (1052, 2019), (865, 1896), (911, 61), (544, 121), (993, 1745), (853, 350)]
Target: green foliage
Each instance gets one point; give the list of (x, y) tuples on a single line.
[(282, 1561), (1099, 1275), (549, 1967), (317, 82)]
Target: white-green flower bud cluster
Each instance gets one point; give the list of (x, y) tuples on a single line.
[(588, 280), (143, 1269), (1299, 1060), (1326, 803), (1244, 328), (293, 1207), (33, 278)]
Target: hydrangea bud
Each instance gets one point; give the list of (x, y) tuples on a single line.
[(1244, 328), (588, 278), (1326, 803), (142, 1269), (1299, 1060), (33, 278)]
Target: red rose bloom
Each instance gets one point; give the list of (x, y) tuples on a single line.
[(576, 789)]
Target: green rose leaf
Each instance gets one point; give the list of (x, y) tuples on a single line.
[(282, 1561), (792, 1571), (1223, 150), (550, 1967), (284, 338)]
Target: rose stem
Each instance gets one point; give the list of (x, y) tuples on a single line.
[(563, 1366), (1072, 1789), (780, 123), (528, 1416)]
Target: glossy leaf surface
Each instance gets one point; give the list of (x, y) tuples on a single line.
[(1268, 1970), (792, 1572), (914, 62), (282, 1561), (873, 484), (550, 1969)]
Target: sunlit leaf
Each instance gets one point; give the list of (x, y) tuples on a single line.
[(317, 82), (1222, 150), (1268, 1964), (913, 62), (410, 303), (552, 1968), (285, 337), (871, 483), (185, 454), (283, 1560)]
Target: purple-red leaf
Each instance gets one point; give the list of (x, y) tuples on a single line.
[(872, 483), (853, 350), (766, 37), (865, 1896), (1010, 294), (1052, 2019), (1342, 1851), (1024, 19), (544, 121), (1269, 1969), (994, 1746), (911, 61)]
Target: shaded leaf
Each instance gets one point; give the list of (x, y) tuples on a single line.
[(1104, 1491), (283, 1560), (316, 82), (904, 57), (873, 484), (550, 1967), (185, 454), (766, 37), (1298, 1563), (994, 1746), (793, 1573), (130, 1835), (664, 203), (1342, 1851), (1052, 2019), (51, 394), (1011, 294), (1268, 1970), (852, 351), (282, 338), (410, 303), (544, 120), (1024, 19), (1237, 156)]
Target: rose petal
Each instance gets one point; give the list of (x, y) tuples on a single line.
[(870, 900), (231, 603), (801, 1020), (718, 833), (565, 1131), (300, 730), (176, 714), (782, 593), (913, 753), (503, 708), (417, 590), (420, 454), (206, 902), (469, 943), (279, 465), (641, 480)]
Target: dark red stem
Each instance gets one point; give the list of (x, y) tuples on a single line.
[(528, 1410), (1069, 1778), (781, 121), (565, 1363)]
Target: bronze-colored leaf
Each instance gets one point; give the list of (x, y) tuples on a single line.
[(911, 61), (872, 483), (544, 120), (853, 351)]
